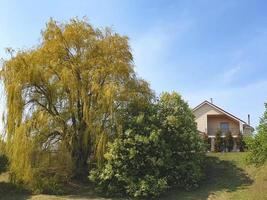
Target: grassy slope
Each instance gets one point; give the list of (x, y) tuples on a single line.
[(228, 177)]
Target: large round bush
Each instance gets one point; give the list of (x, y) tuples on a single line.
[(145, 165), (133, 166)]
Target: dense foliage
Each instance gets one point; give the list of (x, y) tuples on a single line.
[(241, 142), (167, 151), (257, 144), (3, 158), (64, 97), (74, 93), (3, 163), (229, 141), (207, 142), (218, 141)]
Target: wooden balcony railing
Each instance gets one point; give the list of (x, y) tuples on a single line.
[(234, 131)]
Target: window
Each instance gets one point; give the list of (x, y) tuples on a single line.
[(224, 126)]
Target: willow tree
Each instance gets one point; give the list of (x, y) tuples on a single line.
[(64, 95)]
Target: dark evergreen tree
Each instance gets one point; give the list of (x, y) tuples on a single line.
[(229, 141), (218, 141)]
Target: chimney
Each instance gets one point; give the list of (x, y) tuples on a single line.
[(248, 119), (211, 100)]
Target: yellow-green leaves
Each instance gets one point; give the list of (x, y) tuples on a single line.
[(64, 94)]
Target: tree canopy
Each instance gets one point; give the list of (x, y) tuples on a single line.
[(164, 151), (257, 144), (75, 106), (64, 94)]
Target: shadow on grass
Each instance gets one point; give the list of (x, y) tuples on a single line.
[(9, 191), (83, 191), (220, 175)]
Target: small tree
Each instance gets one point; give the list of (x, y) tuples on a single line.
[(240, 142), (229, 141), (257, 144), (218, 141), (206, 142)]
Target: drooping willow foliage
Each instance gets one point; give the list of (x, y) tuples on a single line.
[(63, 98)]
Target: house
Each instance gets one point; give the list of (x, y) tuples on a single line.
[(210, 119)]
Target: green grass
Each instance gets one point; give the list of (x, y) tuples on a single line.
[(228, 177), (9, 191)]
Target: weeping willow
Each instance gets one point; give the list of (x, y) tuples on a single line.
[(63, 95)]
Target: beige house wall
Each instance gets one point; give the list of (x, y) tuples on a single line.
[(247, 131), (209, 118), (215, 121), (201, 116)]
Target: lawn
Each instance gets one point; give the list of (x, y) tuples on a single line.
[(227, 177)]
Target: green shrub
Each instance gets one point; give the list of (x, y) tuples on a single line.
[(229, 141), (47, 185), (3, 163), (218, 141), (132, 167), (145, 165), (241, 142), (51, 172), (257, 144), (207, 142)]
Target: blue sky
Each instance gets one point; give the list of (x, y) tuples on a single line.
[(199, 48)]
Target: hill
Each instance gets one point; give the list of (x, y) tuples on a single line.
[(228, 176)]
